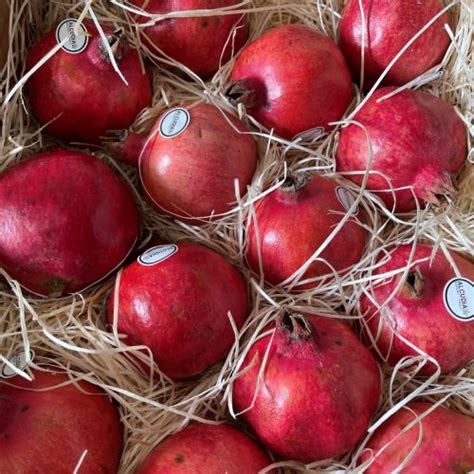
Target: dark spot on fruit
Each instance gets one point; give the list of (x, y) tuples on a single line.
[(179, 459), (24, 408), (338, 342), (6, 435), (205, 22)]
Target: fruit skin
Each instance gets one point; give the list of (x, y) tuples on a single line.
[(66, 221), (446, 446), (319, 390), (178, 308), (48, 431), (206, 449), (292, 78), (193, 173), (82, 94), (293, 221), (389, 26), (417, 310), (417, 139), (196, 42)]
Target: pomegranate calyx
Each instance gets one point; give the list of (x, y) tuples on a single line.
[(439, 188), (118, 44), (295, 181), (124, 145), (297, 325), (241, 92), (414, 284)]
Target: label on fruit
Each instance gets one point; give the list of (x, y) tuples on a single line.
[(157, 254), (75, 43), (459, 299), (19, 360), (174, 122), (346, 197)]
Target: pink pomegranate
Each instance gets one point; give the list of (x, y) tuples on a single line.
[(384, 29), (292, 78), (318, 392), (80, 96), (176, 299), (46, 428), (201, 43), (418, 311), (417, 140), (66, 221), (292, 222), (206, 449), (446, 442), (193, 173)]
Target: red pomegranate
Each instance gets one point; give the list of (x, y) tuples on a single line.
[(385, 28), (176, 299), (80, 96), (292, 78), (446, 442), (66, 221), (46, 428), (401, 130), (318, 391), (418, 311), (206, 449), (201, 43), (193, 173), (292, 222)]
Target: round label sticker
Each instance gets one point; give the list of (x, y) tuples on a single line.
[(174, 122), (18, 359), (459, 298), (75, 43), (157, 254), (346, 197)]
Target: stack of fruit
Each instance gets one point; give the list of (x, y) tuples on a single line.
[(306, 386)]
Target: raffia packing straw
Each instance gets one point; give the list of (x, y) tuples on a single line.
[(70, 333)]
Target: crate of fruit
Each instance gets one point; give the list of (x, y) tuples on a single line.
[(236, 236)]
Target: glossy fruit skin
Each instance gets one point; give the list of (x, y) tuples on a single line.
[(417, 139), (193, 173), (446, 446), (298, 78), (48, 431), (196, 42), (81, 94), (206, 449), (178, 308), (388, 27), (421, 319), (318, 393), (66, 221), (292, 225)]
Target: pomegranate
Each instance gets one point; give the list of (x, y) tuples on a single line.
[(201, 43), (193, 173), (418, 312), (384, 29), (318, 391), (446, 442), (293, 221), (417, 140), (66, 221), (176, 299), (206, 449), (292, 79), (80, 96), (126, 146), (45, 428)]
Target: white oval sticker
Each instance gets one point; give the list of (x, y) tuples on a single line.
[(157, 254), (174, 122), (75, 43), (459, 298), (19, 360), (346, 197)]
